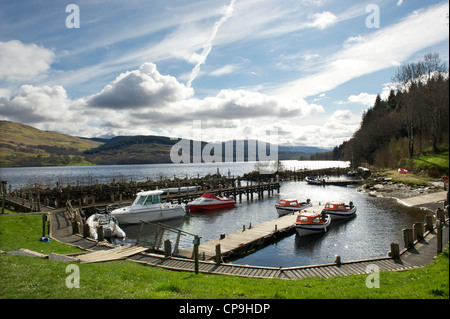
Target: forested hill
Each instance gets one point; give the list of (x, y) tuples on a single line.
[(412, 121)]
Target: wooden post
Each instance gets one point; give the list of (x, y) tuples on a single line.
[(100, 233), (196, 244), (218, 255), (439, 226), (408, 237), (44, 220), (85, 230), (167, 248), (429, 223), (418, 231), (395, 250)]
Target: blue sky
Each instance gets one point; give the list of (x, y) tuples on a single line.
[(305, 69)]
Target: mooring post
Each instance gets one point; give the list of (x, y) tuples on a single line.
[(218, 255), (408, 237), (44, 220), (418, 231), (196, 244), (428, 223), (167, 248), (100, 233), (439, 226), (395, 251)]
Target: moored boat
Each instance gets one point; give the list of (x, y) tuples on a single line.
[(110, 226), (210, 201), (314, 180), (339, 210), (287, 206), (148, 207), (310, 223)]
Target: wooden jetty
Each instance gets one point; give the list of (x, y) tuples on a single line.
[(419, 254), (246, 239)]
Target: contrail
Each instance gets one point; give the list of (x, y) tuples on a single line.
[(208, 45)]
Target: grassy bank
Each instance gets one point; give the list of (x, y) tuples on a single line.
[(28, 277)]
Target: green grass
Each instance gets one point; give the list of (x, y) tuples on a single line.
[(28, 277)]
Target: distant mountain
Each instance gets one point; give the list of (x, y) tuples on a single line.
[(23, 145)]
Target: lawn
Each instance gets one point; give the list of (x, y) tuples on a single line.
[(31, 277)]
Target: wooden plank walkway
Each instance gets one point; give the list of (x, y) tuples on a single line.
[(121, 252), (243, 240), (421, 254)]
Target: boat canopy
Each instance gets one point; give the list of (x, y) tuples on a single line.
[(148, 198)]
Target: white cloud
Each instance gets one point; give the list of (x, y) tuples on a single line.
[(226, 69), (365, 99), (144, 87), (48, 108), (323, 20), (23, 62), (399, 3), (381, 49)]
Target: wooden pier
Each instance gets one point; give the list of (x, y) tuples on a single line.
[(419, 254), (249, 238)]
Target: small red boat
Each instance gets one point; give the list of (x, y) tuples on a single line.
[(210, 201)]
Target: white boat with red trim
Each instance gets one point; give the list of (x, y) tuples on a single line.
[(310, 223), (210, 201), (288, 206), (339, 210)]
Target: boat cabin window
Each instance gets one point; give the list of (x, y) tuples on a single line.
[(330, 206), (316, 220), (152, 199), (341, 207), (293, 203), (302, 219), (148, 200), (282, 202), (140, 200)]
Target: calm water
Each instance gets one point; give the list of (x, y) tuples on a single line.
[(85, 175), (378, 222)]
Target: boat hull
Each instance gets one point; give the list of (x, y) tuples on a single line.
[(193, 207), (284, 210), (135, 216), (310, 229), (340, 214)]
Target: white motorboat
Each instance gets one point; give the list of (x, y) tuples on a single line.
[(310, 223), (110, 226), (148, 207), (338, 210), (288, 206)]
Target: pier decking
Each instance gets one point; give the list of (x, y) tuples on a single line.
[(247, 238), (419, 255)]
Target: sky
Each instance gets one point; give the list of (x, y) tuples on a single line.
[(300, 71)]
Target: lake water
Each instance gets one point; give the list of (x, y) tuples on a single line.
[(48, 176), (378, 221)]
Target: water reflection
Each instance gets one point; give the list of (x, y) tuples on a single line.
[(377, 223)]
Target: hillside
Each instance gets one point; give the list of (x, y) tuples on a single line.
[(23, 145)]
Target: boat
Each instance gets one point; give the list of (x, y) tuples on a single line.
[(339, 210), (110, 226), (210, 201), (148, 207), (310, 223), (287, 206), (314, 181)]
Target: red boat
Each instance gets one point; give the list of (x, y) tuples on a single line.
[(210, 201)]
